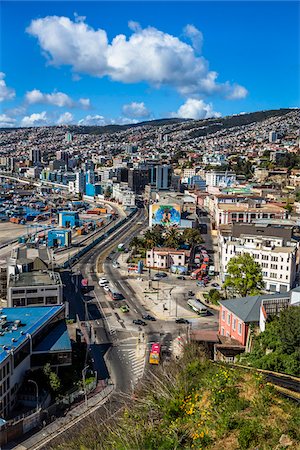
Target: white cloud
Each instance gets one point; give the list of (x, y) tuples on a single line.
[(6, 121), (56, 98), (237, 92), (195, 36), (65, 118), (35, 120), (6, 93), (148, 55), (196, 109), (85, 103), (135, 110), (93, 120)]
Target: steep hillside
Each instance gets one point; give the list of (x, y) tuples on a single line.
[(195, 404)]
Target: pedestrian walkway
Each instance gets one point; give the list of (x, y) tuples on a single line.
[(41, 438)]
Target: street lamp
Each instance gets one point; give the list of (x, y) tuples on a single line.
[(84, 386), (37, 393)]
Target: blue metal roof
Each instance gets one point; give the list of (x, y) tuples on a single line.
[(56, 341), (32, 319)]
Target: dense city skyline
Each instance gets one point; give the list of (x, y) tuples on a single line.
[(84, 63)]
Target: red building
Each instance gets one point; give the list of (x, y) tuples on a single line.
[(236, 315)]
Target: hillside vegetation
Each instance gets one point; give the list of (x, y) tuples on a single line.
[(196, 404)]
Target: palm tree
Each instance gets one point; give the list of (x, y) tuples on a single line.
[(173, 238)]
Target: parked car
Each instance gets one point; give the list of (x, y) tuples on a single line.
[(161, 274), (117, 296), (216, 286), (116, 265), (191, 293), (181, 277), (139, 322), (103, 282), (124, 309), (148, 317), (106, 288), (182, 320)]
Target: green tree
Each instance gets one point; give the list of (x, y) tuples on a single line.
[(214, 296), (192, 236), (244, 276), (289, 207), (173, 238), (53, 379), (278, 347), (136, 242), (152, 238)]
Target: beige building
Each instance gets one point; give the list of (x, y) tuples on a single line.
[(164, 258)]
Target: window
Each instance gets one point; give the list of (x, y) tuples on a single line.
[(273, 275), (240, 329), (31, 291), (274, 266), (223, 315), (222, 331), (265, 274), (274, 258), (234, 325), (228, 318), (264, 265), (265, 257), (51, 300)]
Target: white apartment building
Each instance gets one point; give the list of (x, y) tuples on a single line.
[(122, 194), (226, 213), (216, 178), (271, 246), (164, 258)]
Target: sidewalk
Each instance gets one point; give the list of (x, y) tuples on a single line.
[(161, 303), (51, 431)]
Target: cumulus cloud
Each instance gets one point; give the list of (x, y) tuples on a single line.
[(65, 118), (56, 98), (6, 93), (35, 120), (135, 110), (6, 121), (98, 120), (196, 109), (237, 92), (195, 36), (148, 55), (93, 120)]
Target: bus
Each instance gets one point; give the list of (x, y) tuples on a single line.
[(197, 306), (154, 356), (195, 274)]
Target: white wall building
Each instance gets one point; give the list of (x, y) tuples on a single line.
[(122, 194), (216, 178), (278, 256)]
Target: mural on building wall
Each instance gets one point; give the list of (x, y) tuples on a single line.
[(166, 215)]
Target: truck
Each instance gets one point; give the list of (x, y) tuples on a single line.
[(84, 285)]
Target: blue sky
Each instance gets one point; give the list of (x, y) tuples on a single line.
[(64, 62)]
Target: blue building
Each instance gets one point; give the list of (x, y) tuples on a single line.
[(93, 189), (68, 219), (30, 337), (59, 238)]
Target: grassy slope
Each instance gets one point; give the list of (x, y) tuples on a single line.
[(195, 404)]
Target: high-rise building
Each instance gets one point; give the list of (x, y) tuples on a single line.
[(35, 155), (79, 184), (272, 136), (137, 179), (160, 176), (68, 137)]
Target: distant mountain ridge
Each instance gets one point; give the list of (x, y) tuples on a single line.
[(209, 125)]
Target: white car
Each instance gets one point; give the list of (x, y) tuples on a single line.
[(103, 282), (106, 288), (115, 265)]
